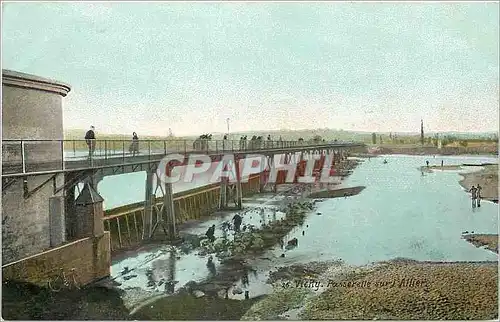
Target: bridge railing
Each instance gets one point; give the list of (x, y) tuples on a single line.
[(25, 156)]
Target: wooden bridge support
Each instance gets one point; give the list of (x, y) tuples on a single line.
[(231, 190), (149, 198), (264, 175), (223, 200), (168, 212), (165, 214), (239, 191)]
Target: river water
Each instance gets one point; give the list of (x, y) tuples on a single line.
[(401, 213)]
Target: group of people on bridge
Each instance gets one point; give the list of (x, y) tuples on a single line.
[(201, 143), (90, 139)]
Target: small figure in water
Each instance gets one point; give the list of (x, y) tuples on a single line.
[(473, 190), (479, 188), (211, 266), (210, 233), (442, 163), (427, 163), (237, 222)]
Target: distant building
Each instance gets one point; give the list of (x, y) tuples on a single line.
[(421, 131)]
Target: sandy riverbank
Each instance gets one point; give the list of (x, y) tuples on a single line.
[(490, 241), (337, 193), (391, 290), (487, 177), (426, 291), (431, 168)]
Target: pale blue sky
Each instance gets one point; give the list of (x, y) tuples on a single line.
[(147, 67)]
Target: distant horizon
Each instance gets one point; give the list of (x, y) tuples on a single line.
[(191, 66), (299, 130)]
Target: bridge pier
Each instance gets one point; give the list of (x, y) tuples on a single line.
[(231, 190), (265, 174), (223, 194), (165, 215), (149, 200), (239, 192), (169, 212)]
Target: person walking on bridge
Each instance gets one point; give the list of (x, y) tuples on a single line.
[(134, 147), (224, 141), (473, 190), (90, 140)]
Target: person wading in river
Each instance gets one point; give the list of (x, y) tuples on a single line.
[(237, 222), (479, 188), (210, 233), (473, 190)]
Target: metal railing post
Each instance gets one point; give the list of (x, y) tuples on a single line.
[(62, 154), (232, 145), (74, 148), (164, 147), (123, 151), (216, 147), (149, 149), (105, 149), (185, 146), (23, 157)]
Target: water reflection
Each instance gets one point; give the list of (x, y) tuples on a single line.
[(211, 267), (163, 272)]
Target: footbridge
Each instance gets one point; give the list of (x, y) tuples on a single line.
[(59, 166), (48, 224)]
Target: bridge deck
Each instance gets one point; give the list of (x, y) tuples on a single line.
[(23, 163)]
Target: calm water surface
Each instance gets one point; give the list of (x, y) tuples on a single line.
[(400, 214)]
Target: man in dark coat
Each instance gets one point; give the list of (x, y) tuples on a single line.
[(90, 139), (237, 222), (210, 233)]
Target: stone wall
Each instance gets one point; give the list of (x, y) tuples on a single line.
[(26, 221), (31, 109), (90, 257)]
